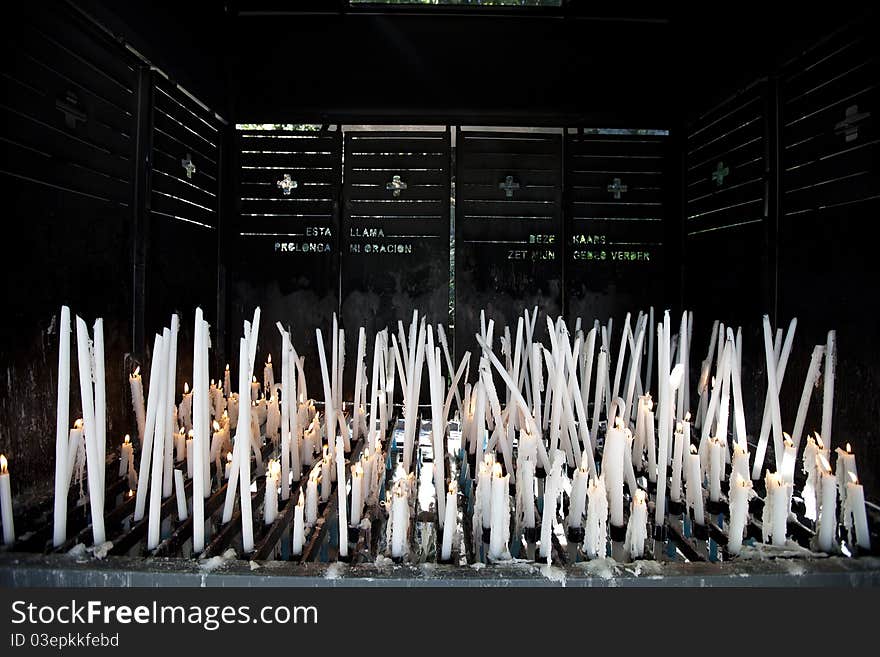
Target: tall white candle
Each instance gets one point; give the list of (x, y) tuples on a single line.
[(739, 511), (357, 493), (651, 441), (526, 492), (500, 529), (809, 384), (6, 503), (846, 464), (298, 525), (677, 461), (126, 454), (740, 463), (158, 461), (717, 447), (136, 384), (312, 496), (270, 503), (341, 497), (449, 524), (62, 420), (326, 474), (827, 522), (100, 404), (828, 385), (149, 430), (180, 492), (170, 426), (268, 377), (552, 489), (578, 497)]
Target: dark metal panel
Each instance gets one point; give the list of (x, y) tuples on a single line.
[(395, 246), (615, 223), (508, 248), (284, 257)]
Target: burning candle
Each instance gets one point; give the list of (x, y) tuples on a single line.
[(500, 529), (740, 463), (190, 456), (637, 527), (312, 496), (136, 384), (739, 509), (341, 496), (125, 455), (677, 460), (695, 486), (326, 481), (227, 385), (483, 503), (270, 502), (268, 376), (255, 390), (399, 520), (854, 514), (827, 522), (228, 469), (578, 497), (449, 523), (775, 517), (357, 493), (846, 464), (595, 532), (298, 525), (612, 469), (526, 492), (6, 503), (716, 466)]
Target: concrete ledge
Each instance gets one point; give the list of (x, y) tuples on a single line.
[(34, 570)]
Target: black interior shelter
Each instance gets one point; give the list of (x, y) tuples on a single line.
[(721, 162)]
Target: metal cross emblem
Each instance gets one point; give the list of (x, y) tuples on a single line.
[(509, 186), (720, 173), (188, 165), (69, 106), (287, 184), (616, 188), (849, 127), (395, 186)]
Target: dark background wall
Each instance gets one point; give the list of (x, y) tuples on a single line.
[(250, 63)]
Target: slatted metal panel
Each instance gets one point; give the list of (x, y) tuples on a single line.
[(395, 254), (830, 163), (727, 163), (184, 203), (286, 257), (68, 111), (508, 247), (615, 222)]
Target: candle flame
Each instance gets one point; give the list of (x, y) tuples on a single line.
[(137, 371), (693, 450), (78, 424), (127, 439), (182, 431), (253, 379), (227, 367), (185, 388), (131, 492), (497, 471), (848, 448), (819, 441), (229, 457), (216, 426), (190, 434), (301, 500), (687, 416), (853, 477), (453, 489), (269, 360), (786, 440), (357, 470), (4, 466)]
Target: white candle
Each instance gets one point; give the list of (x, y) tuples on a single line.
[(255, 389), (740, 464), (312, 496), (227, 383), (612, 469), (740, 486), (846, 464), (828, 386), (126, 454), (298, 526), (651, 441), (637, 527), (788, 463), (855, 515), (62, 419), (399, 520), (146, 446), (136, 383), (775, 517), (827, 522), (6, 503), (578, 497), (326, 474), (268, 376), (695, 486), (526, 492), (158, 461), (500, 530), (677, 459), (189, 455), (449, 524), (226, 471), (270, 503), (180, 492), (357, 493), (552, 489), (341, 496), (716, 466), (595, 532)]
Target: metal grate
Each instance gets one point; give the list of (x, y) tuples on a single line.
[(395, 246), (508, 228), (615, 222), (726, 165), (186, 158), (286, 259)]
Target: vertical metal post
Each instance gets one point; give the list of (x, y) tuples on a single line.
[(140, 234)]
